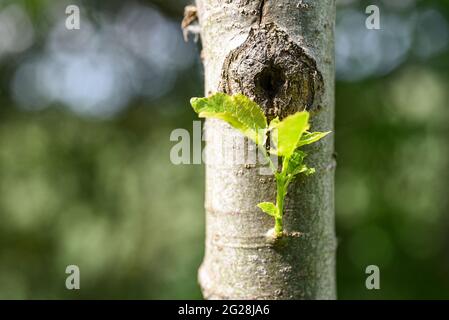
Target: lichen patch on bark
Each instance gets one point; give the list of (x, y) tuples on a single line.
[(274, 71)]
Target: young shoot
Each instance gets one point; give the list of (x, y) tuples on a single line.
[(287, 135)]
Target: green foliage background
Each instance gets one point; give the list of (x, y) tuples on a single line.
[(103, 194)]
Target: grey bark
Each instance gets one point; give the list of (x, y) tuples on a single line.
[(281, 54)]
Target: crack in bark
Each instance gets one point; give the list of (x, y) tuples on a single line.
[(261, 8)]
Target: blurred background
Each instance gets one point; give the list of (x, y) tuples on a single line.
[(85, 174)]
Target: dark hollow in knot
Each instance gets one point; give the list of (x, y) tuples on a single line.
[(270, 80)]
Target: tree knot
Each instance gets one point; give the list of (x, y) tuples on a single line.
[(274, 71)]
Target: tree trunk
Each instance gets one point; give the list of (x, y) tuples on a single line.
[(281, 54)]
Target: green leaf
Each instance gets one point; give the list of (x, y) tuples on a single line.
[(274, 123), (309, 171), (295, 162), (239, 111), (269, 208), (311, 137), (296, 165), (287, 133)]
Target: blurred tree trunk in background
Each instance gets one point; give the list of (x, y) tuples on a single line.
[(281, 54)]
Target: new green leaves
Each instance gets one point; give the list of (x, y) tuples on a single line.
[(287, 136), (296, 165), (269, 208), (239, 111), (287, 133), (311, 137)]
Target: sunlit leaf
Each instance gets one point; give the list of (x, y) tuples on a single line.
[(287, 133), (239, 111), (311, 137), (269, 208)]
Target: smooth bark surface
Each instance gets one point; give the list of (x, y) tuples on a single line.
[(279, 53)]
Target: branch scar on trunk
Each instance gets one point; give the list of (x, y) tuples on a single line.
[(274, 71)]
